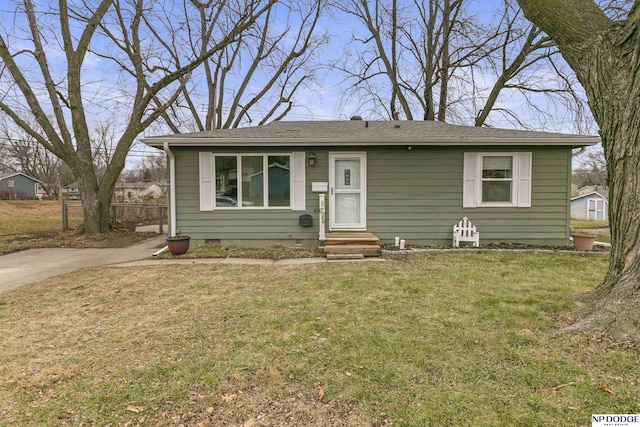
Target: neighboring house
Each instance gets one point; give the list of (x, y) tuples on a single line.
[(279, 176), (41, 192), (138, 191), (73, 191), (591, 203), (411, 179), (16, 185)]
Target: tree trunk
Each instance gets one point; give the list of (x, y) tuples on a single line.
[(445, 62), (614, 306), (95, 210), (429, 108), (606, 59)]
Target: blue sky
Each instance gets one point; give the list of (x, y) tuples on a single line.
[(320, 101)]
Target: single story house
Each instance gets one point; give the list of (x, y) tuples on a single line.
[(73, 191), (409, 179), (591, 203), (16, 185)]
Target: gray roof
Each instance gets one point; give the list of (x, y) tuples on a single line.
[(10, 174), (367, 133), (602, 193)]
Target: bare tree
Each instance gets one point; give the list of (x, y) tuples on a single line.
[(254, 79), (153, 167), (591, 169), (48, 77), (605, 55), (440, 62), (527, 64), (22, 153), (411, 51)]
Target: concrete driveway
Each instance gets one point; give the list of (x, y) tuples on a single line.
[(24, 267)]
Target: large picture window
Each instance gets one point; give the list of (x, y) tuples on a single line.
[(252, 181)]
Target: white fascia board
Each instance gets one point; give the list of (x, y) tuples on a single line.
[(324, 142)]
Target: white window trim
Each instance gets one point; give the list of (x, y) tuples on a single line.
[(10, 183), (296, 181), (521, 184)]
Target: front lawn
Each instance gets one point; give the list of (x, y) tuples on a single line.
[(465, 339), (32, 224), (586, 224)]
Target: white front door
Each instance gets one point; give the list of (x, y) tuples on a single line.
[(347, 191)]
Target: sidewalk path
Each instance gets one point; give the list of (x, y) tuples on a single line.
[(24, 267), (21, 268)]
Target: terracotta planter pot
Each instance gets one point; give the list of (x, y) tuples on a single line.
[(130, 225), (583, 242), (178, 245)]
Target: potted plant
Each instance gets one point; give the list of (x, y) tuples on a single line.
[(583, 241), (129, 218), (178, 245), (130, 224)]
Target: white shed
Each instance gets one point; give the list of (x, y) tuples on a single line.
[(593, 205)]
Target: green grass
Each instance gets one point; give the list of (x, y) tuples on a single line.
[(443, 339), (606, 238), (268, 252), (33, 225), (588, 224), (582, 224)]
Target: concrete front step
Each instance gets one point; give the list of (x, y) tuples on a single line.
[(333, 257)]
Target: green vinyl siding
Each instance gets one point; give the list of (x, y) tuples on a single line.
[(261, 226), (415, 195)]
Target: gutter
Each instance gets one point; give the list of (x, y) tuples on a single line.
[(186, 141), (580, 151)]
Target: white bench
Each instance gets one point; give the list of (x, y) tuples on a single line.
[(464, 231)]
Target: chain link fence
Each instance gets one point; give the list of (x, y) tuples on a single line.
[(123, 215)]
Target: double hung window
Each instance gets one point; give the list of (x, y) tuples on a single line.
[(497, 180)]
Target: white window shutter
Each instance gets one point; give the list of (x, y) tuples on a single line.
[(207, 182), (299, 199), (470, 186), (524, 180)]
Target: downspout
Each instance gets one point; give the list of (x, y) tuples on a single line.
[(172, 197), (172, 190), (573, 155)]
